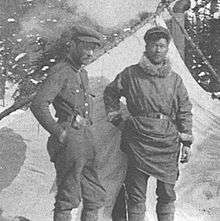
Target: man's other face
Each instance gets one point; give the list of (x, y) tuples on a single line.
[(85, 51), (156, 50)]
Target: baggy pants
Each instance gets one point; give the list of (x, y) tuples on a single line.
[(119, 212), (136, 187), (76, 176)]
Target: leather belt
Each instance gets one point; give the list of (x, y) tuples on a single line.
[(153, 115), (76, 120)]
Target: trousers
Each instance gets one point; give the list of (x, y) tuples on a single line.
[(119, 212), (76, 174), (135, 188)]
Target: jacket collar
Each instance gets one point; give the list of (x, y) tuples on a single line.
[(153, 70)]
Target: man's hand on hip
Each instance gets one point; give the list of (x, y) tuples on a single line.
[(115, 118), (62, 136)]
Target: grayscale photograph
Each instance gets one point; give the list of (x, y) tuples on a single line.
[(109, 110)]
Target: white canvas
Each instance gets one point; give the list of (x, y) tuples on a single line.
[(29, 194)]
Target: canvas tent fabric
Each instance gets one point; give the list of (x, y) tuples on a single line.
[(30, 195)]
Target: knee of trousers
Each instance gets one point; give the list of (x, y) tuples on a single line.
[(93, 194), (136, 207), (166, 193), (65, 206), (93, 205), (165, 208), (65, 201), (89, 214), (166, 203), (136, 203), (68, 190), (62, 215)]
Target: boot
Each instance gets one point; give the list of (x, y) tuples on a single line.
[(89, 215), (136, 217), (136, 211), (165, 211), (62, 215), (165, 217)]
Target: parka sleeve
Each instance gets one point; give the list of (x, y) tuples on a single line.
[(112, 94), (184, 115), (44, 97)]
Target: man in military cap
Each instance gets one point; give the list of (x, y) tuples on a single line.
[(160, 120), (70, 145)]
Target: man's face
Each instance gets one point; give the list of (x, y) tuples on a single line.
[(85, 51), (156, 50)]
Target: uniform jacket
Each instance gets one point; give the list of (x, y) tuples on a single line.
[(65, 88), (152, 144)]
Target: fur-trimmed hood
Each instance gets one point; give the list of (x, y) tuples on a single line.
[(153, 70)]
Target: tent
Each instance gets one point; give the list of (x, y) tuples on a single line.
[(29, 193)]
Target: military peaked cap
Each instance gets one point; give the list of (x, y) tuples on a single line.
[(88, 34), (82, 33)]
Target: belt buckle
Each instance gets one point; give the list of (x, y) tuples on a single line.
[(82, 121), (163, 117), (158, 116)]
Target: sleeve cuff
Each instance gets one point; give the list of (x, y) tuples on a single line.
[(186, 139), (114, 117), (57, 130)]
